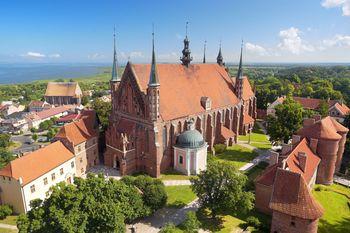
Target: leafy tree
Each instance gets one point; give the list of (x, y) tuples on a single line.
[(84, 100), (35, 137), (103, 110), (323, 108), (191, 223), (154, 194), (33, 130), (5, 140), (288, 119), (5, 210), (50, 134), (221, 188), (168, 228), (5, 157)]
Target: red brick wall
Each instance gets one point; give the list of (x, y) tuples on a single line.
[(283, 223), (263, 197)]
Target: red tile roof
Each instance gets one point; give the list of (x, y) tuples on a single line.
[(312, 160), (33, 165), (247, 119), (291, 196), (36, 103), (339, 127), (342, 108), (181, 88), (226, 133), (53, 111), (293, 164), (69, 117), (323, 129), (63, 89), (78, 131), (247, 89)]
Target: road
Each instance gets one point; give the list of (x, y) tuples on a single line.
[(25, 147)]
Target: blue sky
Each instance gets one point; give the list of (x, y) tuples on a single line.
[(81, 31)]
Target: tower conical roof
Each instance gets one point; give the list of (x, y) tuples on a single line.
[(240, 69), (115, 76), (153, 78)]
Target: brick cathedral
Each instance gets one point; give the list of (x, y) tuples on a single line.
[(153, 103)]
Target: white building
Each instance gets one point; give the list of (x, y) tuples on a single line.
[(190, 152), (31, 176)]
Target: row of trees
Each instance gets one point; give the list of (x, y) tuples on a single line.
[(5, 155), (94, 205)]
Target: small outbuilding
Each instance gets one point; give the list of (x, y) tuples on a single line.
[(190, 152)]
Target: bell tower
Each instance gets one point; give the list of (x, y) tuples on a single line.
[(239, 77), (186, 52), (115, 79)]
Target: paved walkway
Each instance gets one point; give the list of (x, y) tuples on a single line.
[(163, 216), (263, 156), (176, 182), (7, 226), (341, 180)]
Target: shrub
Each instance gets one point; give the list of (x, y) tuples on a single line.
[(254, 222), (5, 210), (219, 148), (168, 228), (191, 223)]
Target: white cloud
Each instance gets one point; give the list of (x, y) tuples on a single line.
[(95, 56), (254, 48), (344, 4), (55, 55), (136, 54), (338, 41), (292, 42), (34, 55)]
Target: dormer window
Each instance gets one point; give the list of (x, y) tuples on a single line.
[(206, 103)]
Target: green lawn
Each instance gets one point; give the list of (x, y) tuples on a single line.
[(5, 230), (335, 199), (257, 139), (11, 220), (237, 155), (179, 196)]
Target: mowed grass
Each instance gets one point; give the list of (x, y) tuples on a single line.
[(335, 199), (5, 230), (11, 220), (179, 196), (236, 155)]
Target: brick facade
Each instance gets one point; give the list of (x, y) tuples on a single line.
[(141, 139), (283, 223)]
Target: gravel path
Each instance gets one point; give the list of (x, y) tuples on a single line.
[(7, 226)]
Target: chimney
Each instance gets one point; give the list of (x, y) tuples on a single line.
[(313, 144), (20, 180), (286, 148), (284, 163), (317, 117), (273, 157), (302, 160), (309, 121), (296, 139)]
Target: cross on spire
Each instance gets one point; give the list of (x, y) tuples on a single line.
[(219, 58)]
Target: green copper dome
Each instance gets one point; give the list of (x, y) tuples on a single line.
[(190, 139)]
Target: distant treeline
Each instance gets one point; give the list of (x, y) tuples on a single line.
[(323, 82)]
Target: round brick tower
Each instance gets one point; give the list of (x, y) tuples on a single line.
[(327, 146), (343, 131)]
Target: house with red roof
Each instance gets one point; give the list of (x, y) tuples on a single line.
[(31, 176), (81, 138), (336, 108), (152, 103)]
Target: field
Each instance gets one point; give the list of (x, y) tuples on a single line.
[(335, 199)]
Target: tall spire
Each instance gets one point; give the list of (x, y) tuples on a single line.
[(219, 58), (240, 69), (153, 78), (186, 52), (205, 46), (115, 62)]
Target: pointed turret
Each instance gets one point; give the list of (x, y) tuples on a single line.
[(240, 69), (219, 58), (205, 46), (153, 78), (186, 52), (239, 79), (153, 88), (115, 77)]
